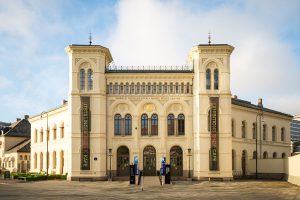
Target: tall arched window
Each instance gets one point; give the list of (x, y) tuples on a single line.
[(132, 88), (154, 124), (170, 124), (171, 88), (232, 127), (90, 79), (216, 79), (181, 124), (116, 88), (265, 132), (118, 119), (182, 88), (149, 88), (254, 130), (188, 88), (154, 88), (166, 88), (159, 88), (111, 89), (138, 88), (121, 88), (274, 155), (244, 129), (144, 124), (35, 160), (176, 88), (35, 135), (54, 160), (143, 88), (128, 124), (254, 155), (282, 136), (265, 155), (283, 155), (82, 79), (208, 79), (127, 89), (273, 133)]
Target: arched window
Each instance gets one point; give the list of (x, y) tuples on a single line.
[(171, 88), (54, 132), (159, 88), (274, 155), (216, 79), (90, 79), (149, 88), (82, 79), (154, 124), (244, 129), (111, 90), (273, 133), (188, 88), (166, 88), (265, 155), (154, 88), (181, 124), (170, 124), (121, 88), (143, 88), (182, 88), (128, 124), (282, 136), (176, 88), (54, 160), (144, 124), (132, 88), (233, 159), (208, 82), (127, 89), (35, 135), (62, 130), (233, 127), (41, 135), (138, 88), (118, 119), (265, 132), (254, 130), (116, 88), (254, 155), (35, 160), (283, 155)]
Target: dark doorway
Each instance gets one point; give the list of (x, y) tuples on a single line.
[(149, 165), (244, 160), (123, 161), (176, 161)]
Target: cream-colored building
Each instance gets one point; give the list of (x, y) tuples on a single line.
[(186, 115)]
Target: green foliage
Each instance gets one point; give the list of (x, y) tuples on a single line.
[(38, 176)]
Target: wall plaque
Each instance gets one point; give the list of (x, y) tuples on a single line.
[(214, 150), (85, 133)]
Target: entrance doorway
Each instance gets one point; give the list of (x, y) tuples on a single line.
[(123, 161), (149, 164), (176, 161), (244, 160)]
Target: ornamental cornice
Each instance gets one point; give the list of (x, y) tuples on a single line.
[(153, 76)]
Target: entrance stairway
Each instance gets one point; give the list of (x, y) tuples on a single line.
[(151, 181)]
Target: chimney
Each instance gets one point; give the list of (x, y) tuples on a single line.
[(18, 119), (260, 102), (63, 102), (26, 116), (235, 97)]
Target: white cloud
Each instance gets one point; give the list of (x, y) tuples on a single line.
[(263, 65)]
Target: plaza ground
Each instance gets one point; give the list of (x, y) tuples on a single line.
[(122, 190)]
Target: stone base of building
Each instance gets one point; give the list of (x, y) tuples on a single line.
[(212, 178), (87, 178)]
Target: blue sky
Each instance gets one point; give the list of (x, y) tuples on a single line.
[(33, 35)]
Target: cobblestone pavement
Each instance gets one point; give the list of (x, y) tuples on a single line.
[(122, 190)]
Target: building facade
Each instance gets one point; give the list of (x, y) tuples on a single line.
[(185, 115), (15, 146)]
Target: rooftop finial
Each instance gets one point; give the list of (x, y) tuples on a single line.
[(90, 38), (209, 38)]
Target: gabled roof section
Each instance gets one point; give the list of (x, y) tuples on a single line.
[(25, 149), (248, 104), (19, 144), (20, 128)]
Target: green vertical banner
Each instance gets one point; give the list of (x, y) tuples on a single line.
[(85, 133), (214, 127)]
